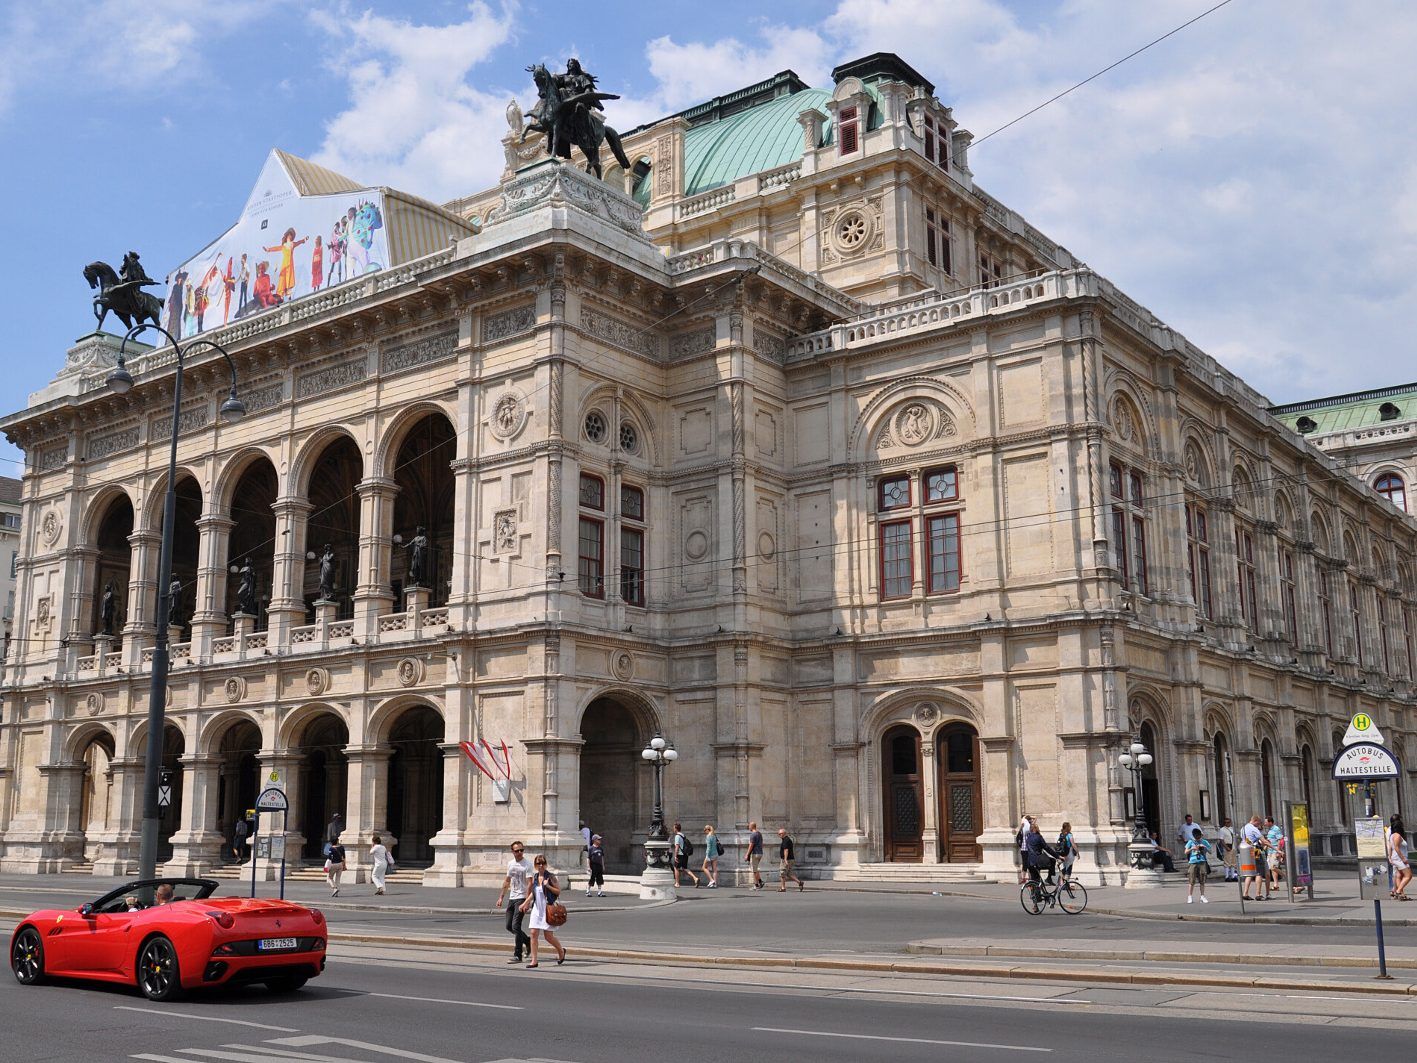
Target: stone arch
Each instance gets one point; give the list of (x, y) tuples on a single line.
[(309, 453), (1351, 553), (647, 712), (1120, 382), (1130, 427), (424, 448), (82, 736), (926, 710), (1197, 460), (616, 794), (1319, 533), (97, 507), (328, 474), (231, 471), (151, 507), (1149, 721), (318, 738), (94, 749), (293, 726), (109, 524), (396, 433), (215, 730), (1242, 488), (606, 396), (252, 536), (1284, 512), (890, 401), (414, 730), (387, 713)]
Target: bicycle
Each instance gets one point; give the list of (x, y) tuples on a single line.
[(1066, 894)]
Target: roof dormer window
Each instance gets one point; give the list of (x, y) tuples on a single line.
[(1389, 411), (848, 121), (937, 141), (1305, 425)]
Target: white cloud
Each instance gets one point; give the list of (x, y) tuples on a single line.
[(690, 73), (413, 119)]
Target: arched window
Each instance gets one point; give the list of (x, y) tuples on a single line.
[(1220, 764), (1392, 487), (1150, 779)]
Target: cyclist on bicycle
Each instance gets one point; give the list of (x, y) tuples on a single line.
[(1040, 856), (1067, 850)]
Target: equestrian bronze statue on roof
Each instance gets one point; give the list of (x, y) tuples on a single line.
[(569, 111)]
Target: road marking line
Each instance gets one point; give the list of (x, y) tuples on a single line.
[(900, 1040), (437, 1000), (204, 1018)]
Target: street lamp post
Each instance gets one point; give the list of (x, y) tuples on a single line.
[(1135, 758), (120, 381), (657, 882)]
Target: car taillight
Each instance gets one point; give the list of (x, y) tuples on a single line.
[(224, 950), (319, 916), (223, 919), (319, 945)]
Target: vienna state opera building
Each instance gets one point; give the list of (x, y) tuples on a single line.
[(790, 444)]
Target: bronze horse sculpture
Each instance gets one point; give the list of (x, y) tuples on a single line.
[(570, 120), (126, 298)]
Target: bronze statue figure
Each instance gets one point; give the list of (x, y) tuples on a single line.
[(246, 589), (108, 611), (327, 574), (122, 292), (174, 599), (418, 557), (568, 112)]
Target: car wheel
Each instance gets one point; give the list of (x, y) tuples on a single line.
[(287, 984), (158, 975), (27, 957)]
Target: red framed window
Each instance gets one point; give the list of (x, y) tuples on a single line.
[(942, 485), (848, 130), (632, 503), (1198, 556), (893, 492), (897, 565), (1245, 563), (942, 553), (1128, 490), (1289, 595), (632, 565), (1392, 487), (592, 491), (592, 557)]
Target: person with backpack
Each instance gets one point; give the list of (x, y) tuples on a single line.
[(713, 852), (1067, 850), (683, 849), (595, 860), (334, 867)]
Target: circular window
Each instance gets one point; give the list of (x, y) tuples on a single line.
[(852, 228), (595, 428), (629, 437)]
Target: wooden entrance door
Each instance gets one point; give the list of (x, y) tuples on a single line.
[(961, 809), (904, 795)]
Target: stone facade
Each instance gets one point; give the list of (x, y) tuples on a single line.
[(10, 496), (897, 531)]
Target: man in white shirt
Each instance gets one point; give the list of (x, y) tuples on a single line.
[(1227, 849), (1183, 832), (1254, 837), (514, 890)]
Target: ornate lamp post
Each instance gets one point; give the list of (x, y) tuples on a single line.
[(120, 381), (657, 882), (1135, 759)]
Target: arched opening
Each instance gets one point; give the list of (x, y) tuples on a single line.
[(904, 796), (334, 521), (113, 567), (173, 746), (425, 500), (616, 794), (185, 547), (1392, 487), (95, 800), (961, 807), (1151, 779), (238, 777), (1220, 772), (1267, 778), (415, 810), (253, 536), (324, 778)]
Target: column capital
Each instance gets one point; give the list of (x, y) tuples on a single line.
[(292, 506), (377, 487), (216, 521)]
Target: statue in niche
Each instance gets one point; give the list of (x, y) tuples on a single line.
[(418, 558), (246, 589), (108, 610), (327, 574), (174, 603)]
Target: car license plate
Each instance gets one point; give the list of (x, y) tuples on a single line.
[(275, 944)]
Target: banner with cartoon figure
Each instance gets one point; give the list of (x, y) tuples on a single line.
[(288, 243)]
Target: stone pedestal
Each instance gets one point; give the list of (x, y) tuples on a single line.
[(174, 634), (325, 612), (1145, 878), (242, 624), (102, 647), (417, 598), (657, 881)]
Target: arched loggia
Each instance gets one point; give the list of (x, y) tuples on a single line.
[(334, 521), (425, 499), (253, 536)]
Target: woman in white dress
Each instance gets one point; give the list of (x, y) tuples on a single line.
[(541, 891), (382, 861), (1397, 856)]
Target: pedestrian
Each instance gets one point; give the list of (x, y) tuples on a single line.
[(1274, 852), (1039, 855), (333, 829), (595, 859), (334, 867), (1397, 857), (786, 854), (683, 849), (1183, 832), (1225, 849), (1067, 850), (513, 889), (1197, 866), (1254, 836), (713, 851), (238, 839), (383, 864), (543, 891), (754, 856), (1025, 828)]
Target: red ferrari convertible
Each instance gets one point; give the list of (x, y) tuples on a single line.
[(169, 935)]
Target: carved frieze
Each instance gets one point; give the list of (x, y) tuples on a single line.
[(621, 333), (915, 424), (112, 443), (696, 342), (267, 397), (331, 378), (47, 459), (192, 419), (506, 323), (432, 348)]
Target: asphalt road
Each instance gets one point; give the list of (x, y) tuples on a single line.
[(383, 1004)]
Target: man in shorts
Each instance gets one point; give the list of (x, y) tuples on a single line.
[(1254, 836), (754, 855), (786, 855)]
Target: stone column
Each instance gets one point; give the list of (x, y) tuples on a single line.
[(374, 596), (209, 609), (62, 842), (448, 848), (139, 632), (288, 764), (125, 814), (366, 806), (83, 623), (196, 847), (930, 835), (287, 608)]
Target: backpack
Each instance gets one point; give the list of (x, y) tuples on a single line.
[(688, 848)]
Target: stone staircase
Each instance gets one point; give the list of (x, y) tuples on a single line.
[(922, 874), (85, 868)]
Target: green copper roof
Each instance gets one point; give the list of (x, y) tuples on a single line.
[(761, 138), (1343, 413)]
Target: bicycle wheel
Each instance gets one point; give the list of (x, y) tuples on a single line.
[(1072, 897), (1031, 897)]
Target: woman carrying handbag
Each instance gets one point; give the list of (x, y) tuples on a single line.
[(541, 902)]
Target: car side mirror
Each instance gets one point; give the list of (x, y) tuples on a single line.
[(86, 909)]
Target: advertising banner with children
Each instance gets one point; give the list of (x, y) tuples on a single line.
[(285, 246)]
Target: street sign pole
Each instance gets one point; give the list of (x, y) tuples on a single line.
[(255, 848), (1365, 759)]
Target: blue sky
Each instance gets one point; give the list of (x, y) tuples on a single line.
[(1252, 180)]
